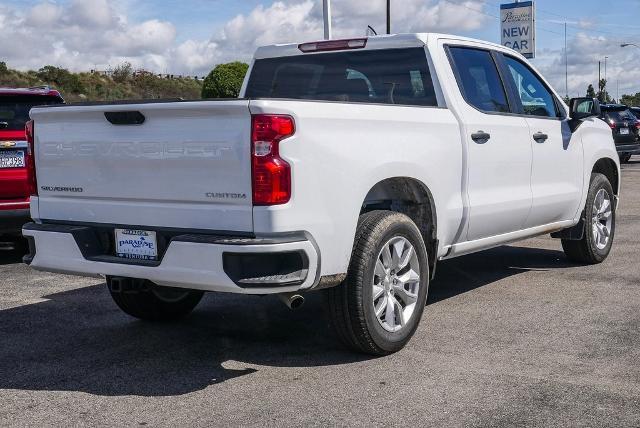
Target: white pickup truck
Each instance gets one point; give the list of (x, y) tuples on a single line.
[(351, 166)]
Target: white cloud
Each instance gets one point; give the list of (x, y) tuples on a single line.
[(44, 15), (81, 35)]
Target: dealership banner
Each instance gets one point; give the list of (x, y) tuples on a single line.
[(518, 27)]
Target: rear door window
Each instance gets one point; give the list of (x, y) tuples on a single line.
[(479, 80), (389, 76), (14, 110)]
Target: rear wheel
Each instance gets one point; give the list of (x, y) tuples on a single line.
[(145, 300), (599, 227), (378, 307)]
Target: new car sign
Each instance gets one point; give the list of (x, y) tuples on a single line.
[(518, 27)]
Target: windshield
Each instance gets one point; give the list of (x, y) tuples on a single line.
[(14, 110), (390, 76)]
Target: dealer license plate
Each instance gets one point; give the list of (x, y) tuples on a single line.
[(11, 159), (624, 131), (136, 244)]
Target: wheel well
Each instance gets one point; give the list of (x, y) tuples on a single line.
[(607, 167), (412, 198)]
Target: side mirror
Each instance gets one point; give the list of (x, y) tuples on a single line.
[(581, 109)]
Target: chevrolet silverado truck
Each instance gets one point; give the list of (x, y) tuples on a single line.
[(348, 166), (16, 174)]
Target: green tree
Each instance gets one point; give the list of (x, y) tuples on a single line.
[(603, 95), (3, 68), (591, 93), (225, 80), (60, 77), (122, 72), (631, 100)]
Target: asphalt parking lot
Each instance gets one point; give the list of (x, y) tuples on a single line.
[(512, 336)]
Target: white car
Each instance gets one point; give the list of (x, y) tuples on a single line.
[(352, 166)]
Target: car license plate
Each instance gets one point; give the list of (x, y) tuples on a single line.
[(136, 244), (11, 159), (624, 131)]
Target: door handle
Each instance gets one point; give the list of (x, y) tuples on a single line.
[(540, 137), (481, 137)]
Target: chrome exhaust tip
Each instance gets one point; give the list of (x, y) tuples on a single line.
[(293, 301)]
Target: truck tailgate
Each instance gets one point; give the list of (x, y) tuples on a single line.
[(186, 166)]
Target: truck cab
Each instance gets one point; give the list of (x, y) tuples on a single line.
[(16, 176)]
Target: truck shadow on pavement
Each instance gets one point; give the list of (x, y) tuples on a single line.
[(79, 340)]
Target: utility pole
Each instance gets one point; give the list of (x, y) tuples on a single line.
[(326, 12), (566, 62), (604, 89), (388, 16)]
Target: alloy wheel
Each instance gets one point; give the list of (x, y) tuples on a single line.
[(396, 282)]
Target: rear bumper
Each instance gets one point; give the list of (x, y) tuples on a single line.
[(241, 265), (11, 221), (632, 148)]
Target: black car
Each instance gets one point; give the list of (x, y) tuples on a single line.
[(625, 127)]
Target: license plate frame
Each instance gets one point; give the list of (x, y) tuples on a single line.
[(136, 244), (12, 159)]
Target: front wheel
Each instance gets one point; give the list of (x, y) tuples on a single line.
[(599, 224), (624, 158), (378, 307), (147, 301)]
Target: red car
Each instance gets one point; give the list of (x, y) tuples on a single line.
[(16, 165)]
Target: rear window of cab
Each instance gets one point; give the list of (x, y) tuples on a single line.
[(388, 76)]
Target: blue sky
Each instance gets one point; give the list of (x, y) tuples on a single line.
[(191, 36)]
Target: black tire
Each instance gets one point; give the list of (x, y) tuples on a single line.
[(350, 305), (625, 158), (147, 301), (585, 250)]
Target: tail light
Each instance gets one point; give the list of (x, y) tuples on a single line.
[(271, 175), (638, 125), (31, 158)]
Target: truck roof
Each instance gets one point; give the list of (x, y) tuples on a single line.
[(36, 91), (387, 41)]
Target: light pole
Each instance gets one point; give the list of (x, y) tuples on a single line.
[(388, 16), (326, 12), (566, 63)]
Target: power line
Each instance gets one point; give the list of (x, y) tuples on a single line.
[(472, 9)]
